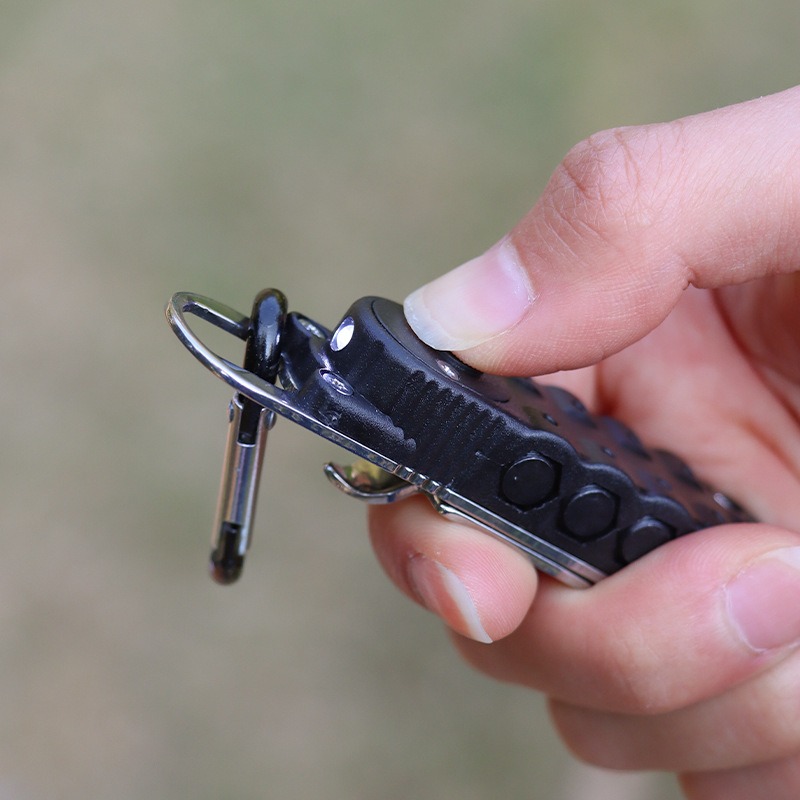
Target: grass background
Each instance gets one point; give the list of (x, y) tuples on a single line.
[(332, 150)]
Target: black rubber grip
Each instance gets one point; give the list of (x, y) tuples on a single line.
[(531, 454)]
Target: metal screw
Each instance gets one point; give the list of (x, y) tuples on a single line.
[(724, 501), (338, 383), (447, 369)]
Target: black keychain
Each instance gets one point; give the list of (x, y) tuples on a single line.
[(579, 493)]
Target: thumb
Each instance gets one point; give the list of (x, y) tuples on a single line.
[(629, 219)]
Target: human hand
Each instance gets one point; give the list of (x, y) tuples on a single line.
[(661, 267)]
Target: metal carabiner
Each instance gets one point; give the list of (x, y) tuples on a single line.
[(248, 425)]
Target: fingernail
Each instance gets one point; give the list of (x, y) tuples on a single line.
[(764, 600), (441, 591), (472, 304)]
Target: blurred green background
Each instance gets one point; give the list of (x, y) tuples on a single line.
[(332, 150)]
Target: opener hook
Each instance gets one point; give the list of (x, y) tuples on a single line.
[(366, 481)]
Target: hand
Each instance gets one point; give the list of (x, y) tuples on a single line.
[(660, 267)]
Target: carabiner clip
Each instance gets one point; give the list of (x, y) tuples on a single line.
[(249, 422)]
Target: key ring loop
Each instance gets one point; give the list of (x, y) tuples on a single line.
[(225, 318)]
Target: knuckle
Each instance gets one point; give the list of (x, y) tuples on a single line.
[(608, 184), (602, 169)]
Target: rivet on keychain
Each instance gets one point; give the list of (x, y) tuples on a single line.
[(577, 492)]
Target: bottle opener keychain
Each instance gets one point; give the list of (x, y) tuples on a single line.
[(527, 463)]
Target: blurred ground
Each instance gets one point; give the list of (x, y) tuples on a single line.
[(331, 150)]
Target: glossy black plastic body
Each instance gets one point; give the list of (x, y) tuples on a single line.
[(527, 453)]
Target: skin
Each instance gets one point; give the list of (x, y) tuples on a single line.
[(661, 273)]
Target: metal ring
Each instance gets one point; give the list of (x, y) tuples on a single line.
[(231, 321)]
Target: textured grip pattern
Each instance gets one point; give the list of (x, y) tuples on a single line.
[(530, 454)]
